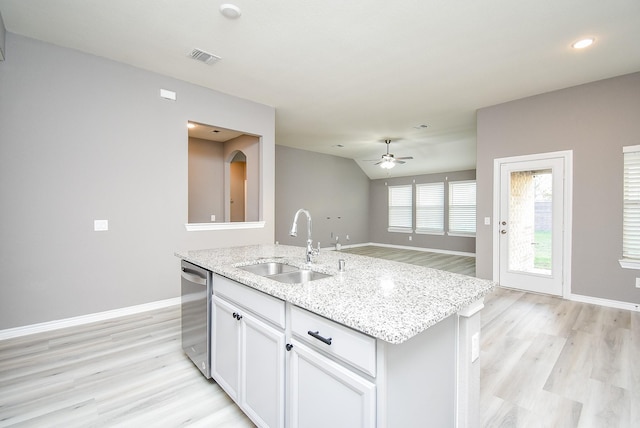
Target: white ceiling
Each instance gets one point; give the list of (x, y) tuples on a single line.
[(355, 72)]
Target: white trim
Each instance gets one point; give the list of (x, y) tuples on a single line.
[(400, 229), (567, 155), (11, 333), (461, 235), (605, 302), (426, 232), (628, 149), (472, 309), (629, 263), (196, 227)]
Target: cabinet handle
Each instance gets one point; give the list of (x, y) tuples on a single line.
[(237, 316), (289, 347), (320, 338)]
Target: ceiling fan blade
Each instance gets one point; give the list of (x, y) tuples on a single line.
[(406, 157), (399, 161)]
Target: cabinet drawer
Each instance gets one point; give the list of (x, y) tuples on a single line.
[(261, 304), (346, 344)]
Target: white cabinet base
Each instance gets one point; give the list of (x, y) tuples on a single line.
[(323, 393)]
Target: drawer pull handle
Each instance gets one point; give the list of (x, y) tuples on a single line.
[(289, 347), (320, 338), (237, 316)]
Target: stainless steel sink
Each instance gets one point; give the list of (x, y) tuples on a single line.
[(268, 269), (284, 273), (299, 276)]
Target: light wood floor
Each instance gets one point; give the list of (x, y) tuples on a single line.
[(546, 362)]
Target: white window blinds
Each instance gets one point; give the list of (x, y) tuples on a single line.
[(462, 207), (430, 208), (631, 208), (400, 208)]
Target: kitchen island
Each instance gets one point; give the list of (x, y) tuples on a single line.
[(418, 329)]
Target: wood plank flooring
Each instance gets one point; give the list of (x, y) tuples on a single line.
[(465, 265), (128, 371), (545, 362)]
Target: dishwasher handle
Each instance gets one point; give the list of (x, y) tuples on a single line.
[(192, 276)]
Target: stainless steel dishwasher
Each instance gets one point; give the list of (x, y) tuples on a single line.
[(196, 286)]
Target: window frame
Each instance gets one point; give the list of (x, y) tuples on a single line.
[(405, 208), (428, 210), (452, 209), (630, 257)]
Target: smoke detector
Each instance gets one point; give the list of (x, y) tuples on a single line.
[(231, 11)]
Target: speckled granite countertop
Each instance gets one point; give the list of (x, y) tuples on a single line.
[(388, 300)]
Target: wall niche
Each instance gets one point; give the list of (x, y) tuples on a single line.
[(224, 175)]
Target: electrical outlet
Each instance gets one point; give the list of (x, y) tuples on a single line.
[(410, 238), (637, 282), (347, 237), (487, 221), (213, 217)]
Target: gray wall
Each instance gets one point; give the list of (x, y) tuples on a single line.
[(250, 146), (333, 189), (379, 215), (84, 138), (594, 120), (206, 180)]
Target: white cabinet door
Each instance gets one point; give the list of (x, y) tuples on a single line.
[(263, 362), (323, 393), (225, 347), (248, 362)]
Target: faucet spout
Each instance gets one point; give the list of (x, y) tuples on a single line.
[(294, 232)]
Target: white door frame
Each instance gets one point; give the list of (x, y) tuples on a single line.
[(567, 156)]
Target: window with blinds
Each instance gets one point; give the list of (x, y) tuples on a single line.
[(401, 208), (462, 208), (631, 207), (430, 208)]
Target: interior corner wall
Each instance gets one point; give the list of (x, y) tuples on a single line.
[(85, 138), (595, 120), (333, 189), (379, 215)]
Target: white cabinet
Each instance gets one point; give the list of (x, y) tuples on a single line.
[(248, 352), (323, 393), (324, 388)]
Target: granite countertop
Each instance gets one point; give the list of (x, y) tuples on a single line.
[(388, 300)]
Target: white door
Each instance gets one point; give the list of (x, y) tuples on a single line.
[(531, 216), (322, 393)]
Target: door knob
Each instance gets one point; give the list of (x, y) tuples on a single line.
[(503, 231), (504, 223)]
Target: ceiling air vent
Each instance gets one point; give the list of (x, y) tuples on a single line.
[(203, 56)]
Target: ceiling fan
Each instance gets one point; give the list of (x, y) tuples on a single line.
[(388, 160)]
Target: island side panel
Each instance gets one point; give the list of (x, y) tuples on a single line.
[(417, 379)]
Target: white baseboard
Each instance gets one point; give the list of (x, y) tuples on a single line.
[(605, 302), (11, 333)]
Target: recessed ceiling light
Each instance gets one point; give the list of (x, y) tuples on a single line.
[(230, 10), (581, 44)]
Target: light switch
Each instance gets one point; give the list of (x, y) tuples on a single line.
[(487, 221), (100, 225)]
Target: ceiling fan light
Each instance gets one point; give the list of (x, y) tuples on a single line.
[(387, 164)]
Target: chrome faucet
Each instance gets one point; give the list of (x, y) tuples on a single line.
[(294, 232)]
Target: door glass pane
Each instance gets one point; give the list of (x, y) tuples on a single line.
[(529, 228)]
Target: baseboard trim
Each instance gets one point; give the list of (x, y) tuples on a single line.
[(605, 302), (11, 333), (427, 250)]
